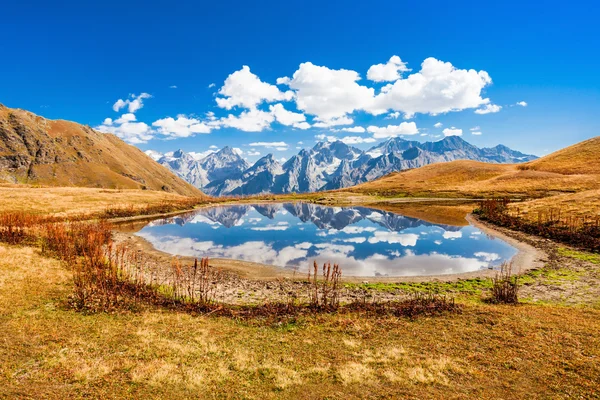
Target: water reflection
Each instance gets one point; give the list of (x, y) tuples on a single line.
[(366, 242)]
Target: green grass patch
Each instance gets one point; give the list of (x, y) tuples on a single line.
[(550, 276), (579, 255), (466, 286)]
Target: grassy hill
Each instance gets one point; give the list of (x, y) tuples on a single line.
[(35, 150), (573, 169)]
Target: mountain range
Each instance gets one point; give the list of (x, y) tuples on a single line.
[(326, 166)]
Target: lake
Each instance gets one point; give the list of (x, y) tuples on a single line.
[(364, 241)]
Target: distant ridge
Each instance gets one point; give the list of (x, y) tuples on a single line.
[(36, 150), (326, 166), (572, 169)]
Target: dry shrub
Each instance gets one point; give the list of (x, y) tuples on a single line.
[(17, 227), (505, 288), (418, 304), (195, 284), (575, 230), (325, 293)]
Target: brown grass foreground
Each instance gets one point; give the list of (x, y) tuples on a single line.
[(488, 351)]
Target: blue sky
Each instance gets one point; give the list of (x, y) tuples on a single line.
[(75, 60)]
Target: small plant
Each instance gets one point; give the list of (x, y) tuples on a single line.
[(505, 288), (325, 293), (195, 284)]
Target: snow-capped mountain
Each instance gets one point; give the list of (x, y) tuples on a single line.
[(327, 166), (201, 171)]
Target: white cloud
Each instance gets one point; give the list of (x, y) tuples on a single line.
[(329, 94), (405, 128), (489, 257), (237, 151), (438, 87), (488, 109), (522, 104), (200, 155), (248, 121), (133, 103), (452, 132), (354, 129), (334, 122), (173, 87), (356, 140), (388, 72), (270, 228), (475, 128), (404, 239), (281, 146), (244, 89), (127, 129), (213, 147), (253, 153), (288, 118), (438, 125), (359, 239), (212, 85), (180, 127), (452, 235), (476, 133), (394, 115)]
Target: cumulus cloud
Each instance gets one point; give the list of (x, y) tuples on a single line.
[(438, 87), (452, 235), (388, 72), (281, 146), (329, 94), (253, 120), (288, 118), (476, 133), (127, 128), (180, 127), (404, 239), (244, 89), (133, 103), (394, 115), (452, 132), (253, 153), (405, 128), (522, 104), (354, 129), (438, 125), (345, 139), (488, 109)]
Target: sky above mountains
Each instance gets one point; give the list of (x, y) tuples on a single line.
[(277, 76)]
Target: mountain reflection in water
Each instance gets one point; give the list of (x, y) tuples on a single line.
[(364, 241)]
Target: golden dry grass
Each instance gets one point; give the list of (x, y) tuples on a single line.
[(583, 204), (476, 179), (76, 200), (572, 169), (48, 351)]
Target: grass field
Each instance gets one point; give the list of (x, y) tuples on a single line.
[(50, 351), (70, 201), (573, 169)]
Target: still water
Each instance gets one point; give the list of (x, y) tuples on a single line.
[(364, 241)]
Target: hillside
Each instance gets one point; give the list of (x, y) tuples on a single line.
[(573, 169), (35, 150), (581, 158)]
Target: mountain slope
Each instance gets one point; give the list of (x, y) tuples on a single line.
[(581, 158), (36, 150), (573, 169)]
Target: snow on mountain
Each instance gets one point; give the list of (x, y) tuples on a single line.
[(327, 166)]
